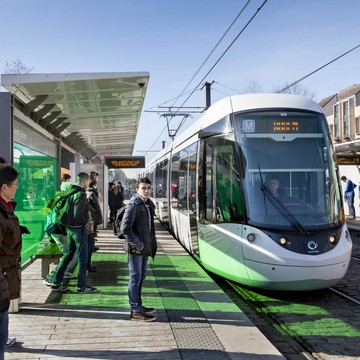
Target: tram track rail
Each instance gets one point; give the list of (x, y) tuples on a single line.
[(344, 295), (294, 343), (314, 325)]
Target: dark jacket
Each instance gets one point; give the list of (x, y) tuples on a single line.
[(94, 207), (135, 227), (10, 248), (78, 207)]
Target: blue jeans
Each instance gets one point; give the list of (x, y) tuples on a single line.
[(4, 332), (77, 242), (137, 274), (350, 202)]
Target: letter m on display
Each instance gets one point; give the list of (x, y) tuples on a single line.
[(248, 126)]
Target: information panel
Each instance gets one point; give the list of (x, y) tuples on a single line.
[(123, 162), (348, 159), (280, 122)]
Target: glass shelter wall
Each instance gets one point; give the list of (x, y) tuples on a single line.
[(35, 160)]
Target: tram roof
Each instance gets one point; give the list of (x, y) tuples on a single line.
[(237, 103), (96, 114)]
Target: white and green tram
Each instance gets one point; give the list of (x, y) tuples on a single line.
[(211, 189)]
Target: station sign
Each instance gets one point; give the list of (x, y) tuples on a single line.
[(125, 162), (348, 159)]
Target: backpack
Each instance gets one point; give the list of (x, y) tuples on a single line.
[(117, 222), (118, 219), (58, 214)]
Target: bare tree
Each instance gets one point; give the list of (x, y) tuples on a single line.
[(17, 67), (296, 89), (253, 88)]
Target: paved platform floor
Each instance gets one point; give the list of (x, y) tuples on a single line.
[(195, 319)]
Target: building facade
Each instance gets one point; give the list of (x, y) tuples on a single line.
[(342, 111)]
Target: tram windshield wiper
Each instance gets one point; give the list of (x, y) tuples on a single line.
[(280, 207)]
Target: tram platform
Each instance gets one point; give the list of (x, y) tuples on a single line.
[(353, 224), (195, 319)]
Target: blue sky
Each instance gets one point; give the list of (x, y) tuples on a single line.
[(287, 40)]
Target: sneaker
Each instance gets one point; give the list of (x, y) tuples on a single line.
[(10, 341), (141, 316), (47, 280), (60, 288), (148, 310), (96, 248), (69, 275), (87, 290)]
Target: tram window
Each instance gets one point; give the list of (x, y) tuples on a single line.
[(223, 196), (160, 188), (183, 179)]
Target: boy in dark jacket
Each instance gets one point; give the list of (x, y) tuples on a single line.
[(77, 236), (138, 229), (10, 248)]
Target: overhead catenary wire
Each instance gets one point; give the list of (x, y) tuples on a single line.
[(318, 69), (206, 59), (227, 49), (211, 52), (167, 101), (201, 66)]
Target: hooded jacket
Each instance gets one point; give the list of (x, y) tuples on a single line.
[(77, 207), (138, 231), (10, 248)]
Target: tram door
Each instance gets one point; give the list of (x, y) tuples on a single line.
[(220, 195)]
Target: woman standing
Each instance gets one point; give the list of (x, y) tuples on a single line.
[(10, 247)]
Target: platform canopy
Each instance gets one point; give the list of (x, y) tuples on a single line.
[(97, 114)]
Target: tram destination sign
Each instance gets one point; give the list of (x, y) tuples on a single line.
[(278, 125), (121, 162)]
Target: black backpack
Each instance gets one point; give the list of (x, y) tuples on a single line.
[(117, 222), (118, 219)]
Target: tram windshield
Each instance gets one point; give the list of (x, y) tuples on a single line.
[(290, 177)]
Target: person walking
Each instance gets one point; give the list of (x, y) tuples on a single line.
[(112, 203), (77, 236), (59, 237), (138, 230), (349, 195), (10, 248), (96, 219)]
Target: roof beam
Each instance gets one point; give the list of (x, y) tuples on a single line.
[(61, 128), (43, 111), (33, 104), (53, 125), (48, 119)]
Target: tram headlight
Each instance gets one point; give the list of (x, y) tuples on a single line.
[(332, 238), (283, 240), (251, 237)]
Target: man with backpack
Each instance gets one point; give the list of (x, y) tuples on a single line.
[(137, 227), (58, 234), (349, 195), (75, 219)]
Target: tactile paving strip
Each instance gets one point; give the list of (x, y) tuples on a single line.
[(193, 333)]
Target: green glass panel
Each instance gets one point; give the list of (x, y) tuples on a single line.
[(37, 185)]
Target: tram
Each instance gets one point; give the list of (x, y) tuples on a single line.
[(252, 191)]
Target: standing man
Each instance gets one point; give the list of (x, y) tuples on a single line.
[(349, 194), (77, 236), (138, 230), (10, 248)]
